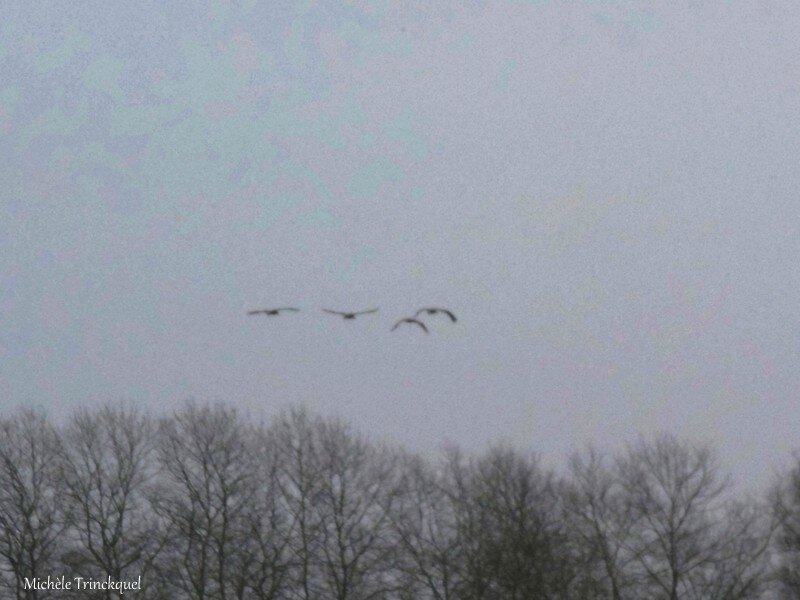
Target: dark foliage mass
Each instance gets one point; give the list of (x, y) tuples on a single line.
[(207, 505)]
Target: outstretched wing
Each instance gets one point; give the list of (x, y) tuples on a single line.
[(420, 323), (289, 308), (433, 309), (410, 320), (449, 314), (333, 312), (256, 312), (366, 312)]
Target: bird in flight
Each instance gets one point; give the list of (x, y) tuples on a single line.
[(272, 312), (411, 320), (433, 311), (349, 315)]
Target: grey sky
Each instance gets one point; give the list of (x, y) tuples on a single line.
[(604, 192)]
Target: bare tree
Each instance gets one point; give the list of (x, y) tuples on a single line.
[(299, 479), (107, 467), (358, 490), (209, 481), (424, 522), (786, 508), (687, 540), (339, 491), (31, 519), (603, 522), (511, 535), (206, 506), (266, 535)]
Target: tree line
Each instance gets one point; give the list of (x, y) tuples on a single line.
[(207, 505)]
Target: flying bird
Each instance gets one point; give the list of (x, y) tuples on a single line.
[(410, 320), (433, 311), (272, 312), (349, 315)]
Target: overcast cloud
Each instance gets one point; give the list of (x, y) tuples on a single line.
[(605, 193)]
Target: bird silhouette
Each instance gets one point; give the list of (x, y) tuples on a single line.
[(272, 312), (433, 311), (349, 315), (411, 320)]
